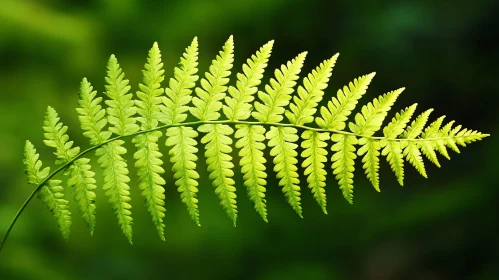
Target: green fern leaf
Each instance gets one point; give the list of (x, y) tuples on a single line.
[(150, 90), (120, 106), (178, 92), (183, 157), (149, 170), (50, 194), (282, 139), (315, 157), (341, 106), (370, 149), (252, 163), (213, 86), (140, 119), (399, 122), (394, 155), (148, 157), (278, 91), (56, 137), (372, 115), (417, 126), (310, 94), (91, 114), (81, 178), (218, 158), (116, 181), (343, 162), (238, 105), (413, 156), (181, 139)]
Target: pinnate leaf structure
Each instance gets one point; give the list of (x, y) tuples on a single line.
[(283, 114)]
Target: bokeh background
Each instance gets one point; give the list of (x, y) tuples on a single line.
[(444, 227)]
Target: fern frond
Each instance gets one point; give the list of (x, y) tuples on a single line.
[(116, 181), (150, 90), (148, 157), (278, 91), (238, 105), (217, 150), (413, 156), (399, 122), (370, 149), (310, 94), (282, 139), (50, 194), (121, 107), (149, 170), (56, 137), (343, 162), (181, 139), (341, 106), (213, 86), (91, 114), (178, 92), (315, 157), (140, 120), (394, 155), (252, 163), (369, 120), (183, 157), (81, 178)]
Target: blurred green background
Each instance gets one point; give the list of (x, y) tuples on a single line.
[(444, 227)]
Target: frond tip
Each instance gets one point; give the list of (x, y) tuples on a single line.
[(218, 114)]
